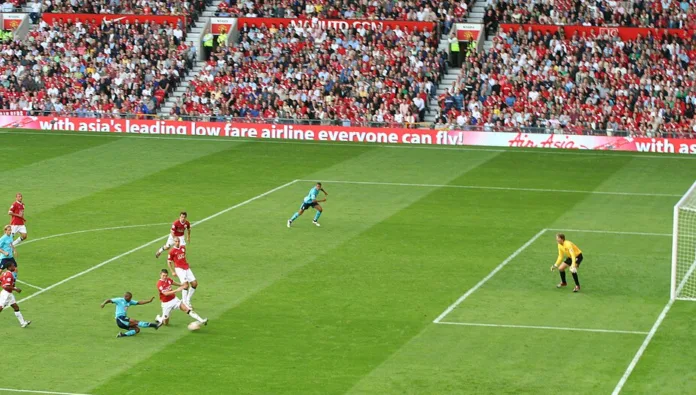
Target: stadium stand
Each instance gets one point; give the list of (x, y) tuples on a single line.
[(316, 74), (673, 14), (90, 69), (577, 84)]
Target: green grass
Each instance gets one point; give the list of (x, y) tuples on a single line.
[(348, 307)]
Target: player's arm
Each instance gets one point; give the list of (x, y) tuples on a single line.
[(188, 234), (3, 252), (12, 213), (559, 259), (573, 258), (173, 292), (325, 193), (141, 302), (104, 303), (171, 268)]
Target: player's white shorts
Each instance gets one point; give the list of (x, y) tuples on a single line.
[(18, 229), (170, 240), (168, 307), (185, 275), (6, 299)]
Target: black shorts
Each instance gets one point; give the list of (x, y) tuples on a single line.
[(578, 260), (305, 206), (123, 322), (5, 262)]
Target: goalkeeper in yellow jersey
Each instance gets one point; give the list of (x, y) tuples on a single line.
[(573, 257)]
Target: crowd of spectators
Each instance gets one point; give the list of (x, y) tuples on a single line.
[(646, 86), (673, 14), (92, 69), (316, 74), (445, 12)]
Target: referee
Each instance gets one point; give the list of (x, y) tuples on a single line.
[(567, 249)]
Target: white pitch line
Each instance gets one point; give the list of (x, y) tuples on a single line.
[(480, 187), (488, 277), (642, 348), (611, 232), (555, 328), (38, 392), (369, 145), (27, 284), (91, 230), (106, 262)]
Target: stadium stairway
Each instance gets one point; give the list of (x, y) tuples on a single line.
[(193, 36), (449, 80), (477, 12)]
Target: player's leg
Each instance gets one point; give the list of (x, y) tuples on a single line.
[(562, 272), (22, 322), (143, 324), (186, 309), (125, 324), (193, 284), (166, 246), (297, 214), (576, 279), (318, 214), (22, 231)]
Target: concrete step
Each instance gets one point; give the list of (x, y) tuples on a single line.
[(475, 20), (475, 15), (208, 14), (478, 8)]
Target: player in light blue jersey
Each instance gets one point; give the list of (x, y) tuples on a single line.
[(131, 326), (311, 200), (7, 250)]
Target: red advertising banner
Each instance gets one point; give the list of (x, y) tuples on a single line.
[(12, 21), (352, 134), (468, 31), (337, 23), (221, 25), (625, 33), (98, 18)]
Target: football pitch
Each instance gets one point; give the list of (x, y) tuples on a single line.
[(429, 275)]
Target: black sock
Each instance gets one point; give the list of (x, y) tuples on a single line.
[(575, 278), (563, 278)]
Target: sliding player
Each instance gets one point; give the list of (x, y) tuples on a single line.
[(177, 232), (573, 254), (171, 302), (7, 250), (181, 269), (17, 220), (7, 297), (311, 201), (131, 326)]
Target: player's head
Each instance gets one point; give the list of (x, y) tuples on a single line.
[(318, 186), (177, 242), (19, 197), (11, 266), (164, 273), (182, 216), (7, 229), (560, 238), (128, 296)]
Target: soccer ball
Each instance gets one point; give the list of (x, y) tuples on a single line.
[(194, 326), (158, 318)]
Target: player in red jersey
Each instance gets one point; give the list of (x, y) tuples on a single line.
[(177, 232), (170, 301), (7, 297), (181, 269), (17, 220)]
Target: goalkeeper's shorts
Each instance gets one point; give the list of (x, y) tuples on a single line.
[(578, 260)]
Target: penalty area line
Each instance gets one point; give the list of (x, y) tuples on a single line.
[(38, 392), (92, 230), (117, 257), (488, 277), (553, 328), (29, 285)]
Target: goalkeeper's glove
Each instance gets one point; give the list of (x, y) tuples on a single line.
[(574, 269), (553, 267)]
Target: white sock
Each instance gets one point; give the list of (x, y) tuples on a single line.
[(191, 290), (195, 316), (19, 316), (17, 241), (184, 296)]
